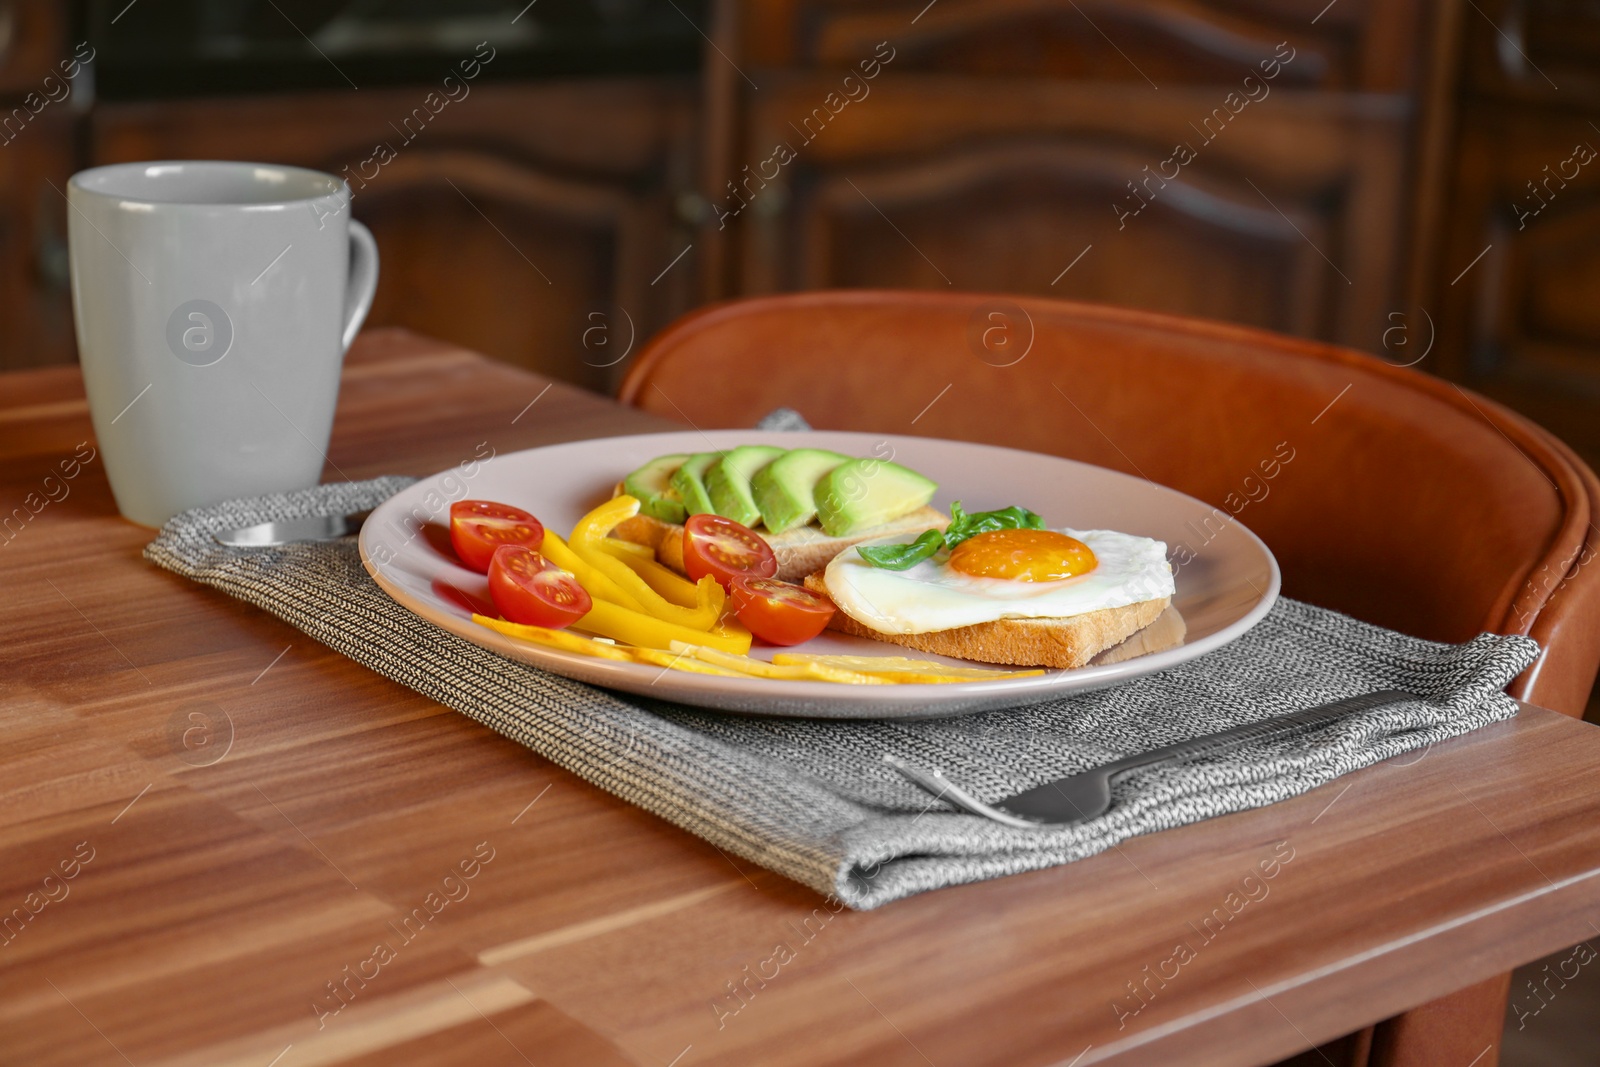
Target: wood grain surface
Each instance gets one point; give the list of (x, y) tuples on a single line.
[(221, 843)]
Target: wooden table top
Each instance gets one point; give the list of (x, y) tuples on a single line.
[(154, 910)]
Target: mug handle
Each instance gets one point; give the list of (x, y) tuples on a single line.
[(363, 281)]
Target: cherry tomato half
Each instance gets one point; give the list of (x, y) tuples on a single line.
[(778, 612), (725, 550), (529, 589), (478, 527)]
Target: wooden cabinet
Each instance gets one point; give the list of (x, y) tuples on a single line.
[(527, 221), (1122, 151), (1241, 160)]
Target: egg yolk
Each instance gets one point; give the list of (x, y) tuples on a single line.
[(1023, 556)]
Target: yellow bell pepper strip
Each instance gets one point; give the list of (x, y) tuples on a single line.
[(628, 549), (593, 581), (680, 661), (803, 672), (567, 642), (587, 536), (901, 669), (664, 580), (730, 627), (649, 631)]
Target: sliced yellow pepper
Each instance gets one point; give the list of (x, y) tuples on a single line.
[(628, 549), (729, 626), (805, 672), (595, 583), (590, 533), (901, 669), (602, 520), (697, 656), (664, 580), (649, 631), (561, 639), (680, 661)]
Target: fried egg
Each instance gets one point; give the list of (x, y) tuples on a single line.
[(1003, 574)]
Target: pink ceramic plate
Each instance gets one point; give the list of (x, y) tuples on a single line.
[(1224, 590)]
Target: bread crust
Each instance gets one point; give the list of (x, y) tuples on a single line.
[(800, 551), (1065, 643)]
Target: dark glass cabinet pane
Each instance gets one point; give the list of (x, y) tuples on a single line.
[(192, 47)]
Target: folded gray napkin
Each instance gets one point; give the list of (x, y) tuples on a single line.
[(812, 799)]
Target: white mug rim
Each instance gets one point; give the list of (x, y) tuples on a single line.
[(88, 182)]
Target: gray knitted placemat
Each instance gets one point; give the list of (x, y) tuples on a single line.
[(812, 799)]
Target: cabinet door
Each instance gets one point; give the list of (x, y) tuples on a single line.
[(35, 291), (1536, 51), (1520, 271), (43, 85), (1371, 47), (526, 222), (33, 47), (1285, 215)]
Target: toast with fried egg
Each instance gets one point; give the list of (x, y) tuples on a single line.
[(1024, 595), (1064, 643)]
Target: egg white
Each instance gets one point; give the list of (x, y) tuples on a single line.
[(932, 596)]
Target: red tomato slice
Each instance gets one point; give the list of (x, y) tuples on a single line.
[(725, 550), (529, 589), (778, 612), (478, 527)]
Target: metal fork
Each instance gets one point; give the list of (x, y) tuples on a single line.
[(1087, 794), (288, 531)]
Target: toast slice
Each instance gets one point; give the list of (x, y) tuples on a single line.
[(1064, 642), (800, 551)]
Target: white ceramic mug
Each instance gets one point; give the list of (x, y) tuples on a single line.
[(213, 302)]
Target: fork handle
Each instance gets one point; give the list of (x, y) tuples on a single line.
[(355, 520), (1234, 736)]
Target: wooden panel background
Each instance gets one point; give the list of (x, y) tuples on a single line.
[(1000, 140), (1288, 219), (1519, 261)]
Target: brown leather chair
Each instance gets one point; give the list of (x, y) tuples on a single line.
[(1385, 493)]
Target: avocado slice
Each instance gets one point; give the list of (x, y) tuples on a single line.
[(868, 492), (786, 489), (689, 481), (652, 485), (728, 481)]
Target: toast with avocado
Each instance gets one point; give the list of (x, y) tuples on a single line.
[(809, 504), (800, 550)]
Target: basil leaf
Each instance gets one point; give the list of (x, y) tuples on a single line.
[(903, 557), (963, 526)]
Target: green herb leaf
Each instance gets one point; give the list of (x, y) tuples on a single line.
[(903, 557), (962, 526)]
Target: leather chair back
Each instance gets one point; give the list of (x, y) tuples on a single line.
[(1385, 493)]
